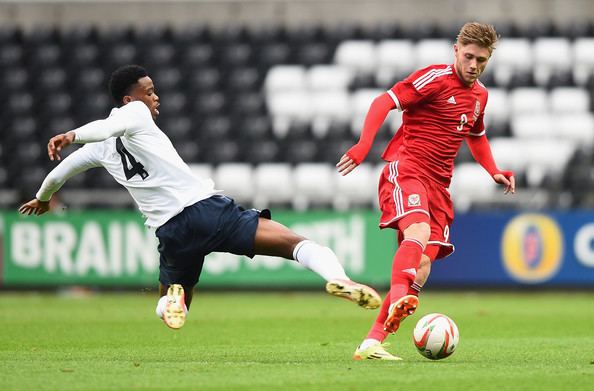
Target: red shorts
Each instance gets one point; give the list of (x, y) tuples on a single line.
[(405, 199)]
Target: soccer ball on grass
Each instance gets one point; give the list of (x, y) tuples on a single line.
[(436, 336)]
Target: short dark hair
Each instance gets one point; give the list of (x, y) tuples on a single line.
[(123, 79)]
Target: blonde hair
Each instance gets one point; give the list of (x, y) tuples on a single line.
[(483, 35)]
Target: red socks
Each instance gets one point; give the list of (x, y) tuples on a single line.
[(404, 268)]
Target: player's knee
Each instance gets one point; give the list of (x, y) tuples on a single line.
[(419, 231)]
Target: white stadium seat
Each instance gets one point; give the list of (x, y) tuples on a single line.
[(273, 184), (314, 185), (471, 183), (498, 107), (569, 100), (358, 188), (434, 51), (508, 152), (577, 127), (396, 58), (283, 78), (546, 157), (512, 55), (236, 180), (533, 126), (329, 78), (328, 107), (550, 55), (528, 100), (287, 107), (583, 59), (358, 55)]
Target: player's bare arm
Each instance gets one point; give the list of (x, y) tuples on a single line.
[(34, 207), (57, 143)]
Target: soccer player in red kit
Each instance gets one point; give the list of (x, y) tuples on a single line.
[(443, 105)]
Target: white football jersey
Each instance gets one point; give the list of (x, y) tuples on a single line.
[(140, 157)]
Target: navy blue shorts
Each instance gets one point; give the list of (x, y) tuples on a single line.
[(215, 224)]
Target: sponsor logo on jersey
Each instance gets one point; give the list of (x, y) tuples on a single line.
[(452, 100), (532, 248), (414, 200)]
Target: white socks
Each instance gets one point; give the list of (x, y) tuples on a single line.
[(160, 310), (320, 260)]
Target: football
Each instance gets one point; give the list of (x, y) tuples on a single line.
[(436, 336)]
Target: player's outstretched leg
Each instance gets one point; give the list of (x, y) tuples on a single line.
[(174, 313), (363, 295), (375, 351), (405, 306)]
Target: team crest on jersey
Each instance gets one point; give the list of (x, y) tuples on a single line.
[(414, 200), (477, 110)]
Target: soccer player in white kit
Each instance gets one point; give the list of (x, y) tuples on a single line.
[(191, 217)]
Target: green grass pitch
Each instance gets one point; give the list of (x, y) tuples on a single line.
[(289, 341)]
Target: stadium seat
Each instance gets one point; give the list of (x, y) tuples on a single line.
[(396, 59), (314, 53), (178, 128), (197, 55), (274, 53), (243, 79), (15, 79), (528, 100), (509, 152), (236, 180), (236, 54), (498, 105), (300, 151), (165, 77), (547, 157), (328, 107), (328, 78), (273, 184), (287, 108), (357, 189), (434, 51), (583, 59), (202, 80), (569, 100), (471, 184), (173, 101), (358, 55), (576, 127), (189, 151), (551, 55), (11, 55), (513, 56), (314, 185), (261, 151), (285, 78), (221, 151), (533, 126)]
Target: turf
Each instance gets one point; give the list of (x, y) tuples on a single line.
[(284, 341)]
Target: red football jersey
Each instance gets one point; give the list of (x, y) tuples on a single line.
[(439, 112)]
